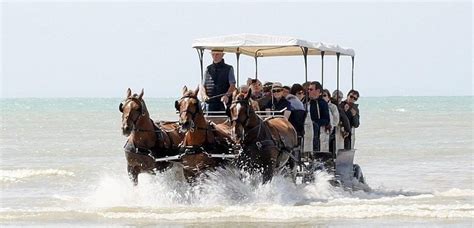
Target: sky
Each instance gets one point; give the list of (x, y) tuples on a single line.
[(99, 49)]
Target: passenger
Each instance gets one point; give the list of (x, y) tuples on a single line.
[(297, 115), (266, 95), (305, 88), (337, 96), (298, 91), (244, 89), (334, 120), (351, 109), (219, 82), (319, 112), (278, 102), (334, 113), (336, 99), (256, 86)]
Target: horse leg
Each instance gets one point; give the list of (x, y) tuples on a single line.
[(270, 166), (133, 172)]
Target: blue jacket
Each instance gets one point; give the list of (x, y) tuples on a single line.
[(323, 118)]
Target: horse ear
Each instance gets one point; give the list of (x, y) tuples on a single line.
[(248, 94), (234, 94), (129, 93), (184, 90), (141, 94), (196, 91)]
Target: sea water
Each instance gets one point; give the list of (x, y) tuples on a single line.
[(62, 163)]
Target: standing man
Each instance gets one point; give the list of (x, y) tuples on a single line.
[(219, 82), (351, 110), (319, 111)]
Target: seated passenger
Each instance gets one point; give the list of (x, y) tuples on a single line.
[(244, 89), (298, 91), (297, 114), (351, 110), (334, 120), (319, 112), (256, 86), (277, 101), (336, 99), (266, 95)]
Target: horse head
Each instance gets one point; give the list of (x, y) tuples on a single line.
[(239, 112), (133, 108), (188, 107)]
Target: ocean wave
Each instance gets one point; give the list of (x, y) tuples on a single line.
[(21, 174)]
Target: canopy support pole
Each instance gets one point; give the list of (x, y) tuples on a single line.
[(201, 54), (305, 56), (322, 69), (338, 55), (256, 67), (238, 67), (353, 72)]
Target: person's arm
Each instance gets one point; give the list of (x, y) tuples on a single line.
[(202, 90), (287, 114)]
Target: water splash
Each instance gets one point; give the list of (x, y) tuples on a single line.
[(18, 175)]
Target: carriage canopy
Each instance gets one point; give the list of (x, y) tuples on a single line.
[(255, 45)]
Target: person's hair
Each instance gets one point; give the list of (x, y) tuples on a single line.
[(287, 88), (267, 87), (295, 88), (306, 85), (327, 92), (243, 87), (317, 85), (251, 81), (353, 91)]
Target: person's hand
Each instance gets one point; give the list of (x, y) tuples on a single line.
[(345, 134), (353, 111), (225, 99), (328, 128), (205, 98), (346, 107)]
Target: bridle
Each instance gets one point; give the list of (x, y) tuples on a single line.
[(141, 110), (187, 111), (245, 103)]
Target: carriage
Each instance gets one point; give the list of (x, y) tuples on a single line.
[(339, 161)]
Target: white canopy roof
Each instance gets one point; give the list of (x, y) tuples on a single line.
[(267, 45)]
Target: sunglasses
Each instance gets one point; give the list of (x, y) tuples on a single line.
[(311, 89), (325, 95), (300, 93), (354, 98), (277, 90)]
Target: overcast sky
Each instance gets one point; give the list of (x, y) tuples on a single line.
[(86, 49)]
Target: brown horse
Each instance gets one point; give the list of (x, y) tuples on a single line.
[(267, 145), (146, 140), (202, 139)]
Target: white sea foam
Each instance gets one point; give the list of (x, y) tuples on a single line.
[(22, 174), (226, 195)]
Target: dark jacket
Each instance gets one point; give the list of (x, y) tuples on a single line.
[(353, 120), (216, 80), (322, 119), (277, 105)]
